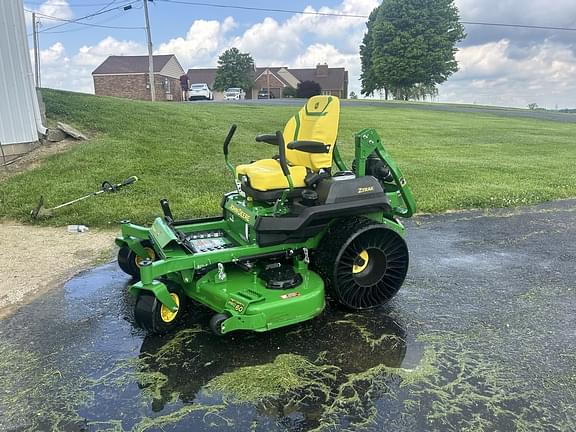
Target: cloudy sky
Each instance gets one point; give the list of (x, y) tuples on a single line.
[(498, 66)]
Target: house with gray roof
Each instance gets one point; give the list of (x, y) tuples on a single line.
[(333, 81), (127, 77)]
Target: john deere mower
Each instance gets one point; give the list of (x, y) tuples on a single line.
[(298, 226)]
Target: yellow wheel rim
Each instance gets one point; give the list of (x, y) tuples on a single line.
[(151, 255), (166, 314), (359, 268)]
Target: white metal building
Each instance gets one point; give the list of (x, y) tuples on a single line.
[(20, 119)]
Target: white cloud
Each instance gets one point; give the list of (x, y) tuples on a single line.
[(273, 42), (346, 32), (202, 43), (52, 8), (56, 8), (269, 41), (94, 55), (55, 66), (489, 74), (532, 11), (327, 53), (59, 70), (53, 55)]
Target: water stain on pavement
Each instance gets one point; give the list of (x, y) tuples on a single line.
[(482, 337)]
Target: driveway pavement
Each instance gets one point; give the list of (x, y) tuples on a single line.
[(482, 337)]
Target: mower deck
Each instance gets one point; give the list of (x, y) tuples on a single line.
[(194, 255), (255, 306)]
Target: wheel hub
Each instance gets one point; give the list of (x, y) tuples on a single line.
[(151, 255), (166, 314), (361, 262)]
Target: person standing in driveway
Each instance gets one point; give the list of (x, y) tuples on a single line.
[(184, 86)]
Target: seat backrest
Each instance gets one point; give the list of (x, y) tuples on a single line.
[(318, 120)]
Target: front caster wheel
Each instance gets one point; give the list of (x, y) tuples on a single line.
[(130, 262), (151, 315), (216, 323)]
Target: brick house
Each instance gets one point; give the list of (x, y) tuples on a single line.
[(334, 81), (127, 77)]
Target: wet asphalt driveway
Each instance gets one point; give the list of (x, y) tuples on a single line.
[(481, 337)]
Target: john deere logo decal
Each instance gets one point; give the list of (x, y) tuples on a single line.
[(316, 105), (240, 213)]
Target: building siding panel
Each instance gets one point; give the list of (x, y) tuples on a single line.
[(20, 119), (172, 69)]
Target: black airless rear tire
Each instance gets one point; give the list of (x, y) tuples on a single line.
[(151, 315), (363, 263)]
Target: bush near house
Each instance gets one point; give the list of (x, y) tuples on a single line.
[(307, 89), (289, 92)]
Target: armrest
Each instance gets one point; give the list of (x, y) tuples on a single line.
[(267, 138), (309, 146)]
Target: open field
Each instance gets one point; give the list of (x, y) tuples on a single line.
[(563, 117), (453, 160)]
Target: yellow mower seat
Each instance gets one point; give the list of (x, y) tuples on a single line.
[(318, 121), (266, 174)]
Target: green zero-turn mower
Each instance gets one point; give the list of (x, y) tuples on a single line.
[(297, 223)]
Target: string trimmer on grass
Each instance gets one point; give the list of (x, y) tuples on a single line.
[(107, 187)]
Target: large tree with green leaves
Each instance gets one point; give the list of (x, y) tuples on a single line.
[(410, 43), (235, 69)]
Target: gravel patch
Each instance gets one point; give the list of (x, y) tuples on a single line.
[(35, 259)]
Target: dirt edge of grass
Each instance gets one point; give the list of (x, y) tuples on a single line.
[(68, 256)]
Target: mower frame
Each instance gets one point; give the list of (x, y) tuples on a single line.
[(205, 277)]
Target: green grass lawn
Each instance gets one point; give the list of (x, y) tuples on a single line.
[(453, 160)]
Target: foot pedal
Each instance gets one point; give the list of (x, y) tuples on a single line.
[(280, 277)]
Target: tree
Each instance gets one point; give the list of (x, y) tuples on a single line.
[(370, 82), (289, 92), (532, 106), (417, 92), (307, 89), (353, 95), (410, 43), (234, 70)]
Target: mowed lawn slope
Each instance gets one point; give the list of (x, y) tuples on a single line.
[(452, 160)]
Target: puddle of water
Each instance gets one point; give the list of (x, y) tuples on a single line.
[(114, 376), (454, 351)]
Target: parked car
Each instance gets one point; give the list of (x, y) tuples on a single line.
[(263, 94), (200, 91), (234, 93)]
